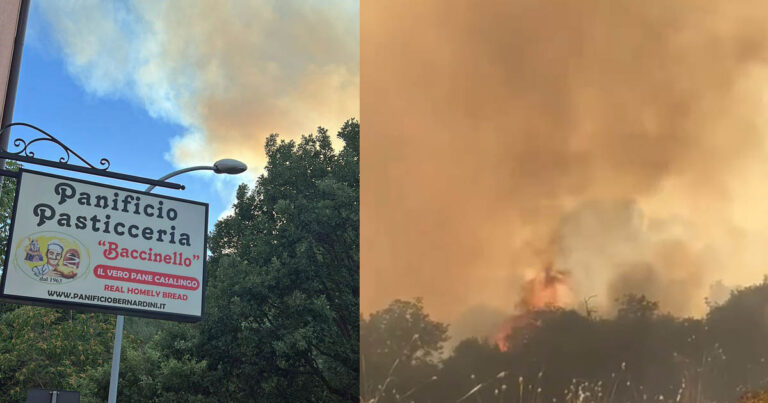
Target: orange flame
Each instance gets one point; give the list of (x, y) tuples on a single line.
[(546, 289)]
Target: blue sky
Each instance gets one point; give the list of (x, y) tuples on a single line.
[(151, 96), (95, 126)]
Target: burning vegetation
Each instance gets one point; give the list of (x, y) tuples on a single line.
[(554, 354), (544, 290), (630, 132)]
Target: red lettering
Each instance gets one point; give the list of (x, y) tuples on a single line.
[(111, 251)]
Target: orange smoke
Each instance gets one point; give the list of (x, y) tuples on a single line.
[(545, 290), (632, 133)]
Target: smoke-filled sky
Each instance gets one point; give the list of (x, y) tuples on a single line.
[(621, 142), (230, 72)]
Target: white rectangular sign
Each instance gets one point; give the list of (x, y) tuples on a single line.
[(87, 245)]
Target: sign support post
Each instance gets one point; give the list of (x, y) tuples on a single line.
[(222, 166), (114, 373)]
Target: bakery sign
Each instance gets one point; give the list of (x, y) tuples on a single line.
[(80, 244)]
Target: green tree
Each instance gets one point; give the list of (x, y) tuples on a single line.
[(738, 330), (556, 353), (282, 302), (473, 362), (148, 374), (633, 306), (7, 196), (399, 347), (50, 348)]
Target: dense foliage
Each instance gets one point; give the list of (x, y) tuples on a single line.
[(284, 277), (400, 340), (50, 348), (7, 195), (640, 354)]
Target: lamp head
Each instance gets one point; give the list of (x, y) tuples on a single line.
[(229, 167)]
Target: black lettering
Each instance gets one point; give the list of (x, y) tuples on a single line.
[(131, 230), (147, 233), (44, 211), (81, 222), (171, 214), (65, 191), (117, 230), (126, 201), (64, 220), (94, 220), (84, 199), (101, 201), (184, 239)]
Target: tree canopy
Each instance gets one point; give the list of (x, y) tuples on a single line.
[(282, 312), (554, 354), (401, 339)]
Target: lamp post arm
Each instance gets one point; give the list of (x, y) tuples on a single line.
[(181, 171)]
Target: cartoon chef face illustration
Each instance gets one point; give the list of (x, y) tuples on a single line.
[(52, 257)]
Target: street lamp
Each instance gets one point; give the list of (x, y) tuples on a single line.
[(225, 166)]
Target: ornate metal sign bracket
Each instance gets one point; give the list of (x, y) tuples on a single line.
[(24, 154)]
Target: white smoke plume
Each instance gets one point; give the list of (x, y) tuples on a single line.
[(230, 72)]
